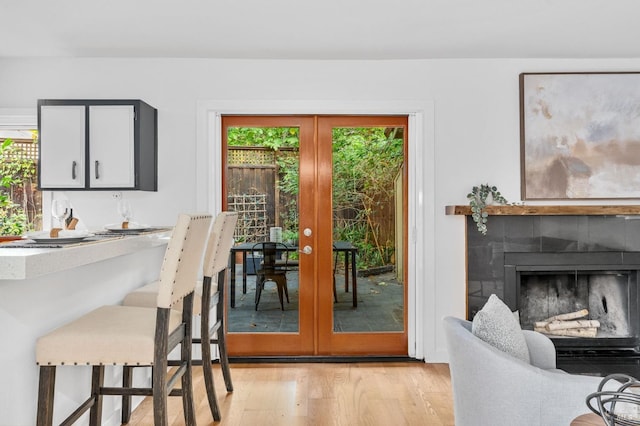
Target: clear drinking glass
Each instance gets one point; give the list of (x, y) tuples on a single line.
[(61, 209), (124, 210)]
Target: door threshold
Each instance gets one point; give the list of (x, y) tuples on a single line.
[(319, 359)]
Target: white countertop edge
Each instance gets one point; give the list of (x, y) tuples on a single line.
[(27, 263)]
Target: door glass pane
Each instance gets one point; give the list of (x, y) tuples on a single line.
[(262, 186), (367, 217)]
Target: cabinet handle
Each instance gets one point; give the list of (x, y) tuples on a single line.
[(97, 172), (73, 170)]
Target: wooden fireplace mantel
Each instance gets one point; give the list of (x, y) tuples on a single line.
[(566, 210)]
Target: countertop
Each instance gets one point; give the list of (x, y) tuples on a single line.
[(27, 263)]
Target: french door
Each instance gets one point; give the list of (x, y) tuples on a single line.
[(332, 189)]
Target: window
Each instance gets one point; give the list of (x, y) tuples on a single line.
[(20, 200)]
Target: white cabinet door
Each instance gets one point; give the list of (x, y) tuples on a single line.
[(111, 146), (62, 146)]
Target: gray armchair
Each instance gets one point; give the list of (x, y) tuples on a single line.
[(493, 388)]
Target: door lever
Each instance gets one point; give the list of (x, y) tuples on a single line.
[(306, 250)]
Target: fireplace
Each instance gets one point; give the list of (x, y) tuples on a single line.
[(543, 265)]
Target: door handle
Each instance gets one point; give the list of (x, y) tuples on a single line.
[(96, 169), (73, 170), (306, 250)]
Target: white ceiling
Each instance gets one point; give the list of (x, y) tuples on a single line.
[(322, 29)]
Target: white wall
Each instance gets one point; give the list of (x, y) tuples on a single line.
[(476, 129)]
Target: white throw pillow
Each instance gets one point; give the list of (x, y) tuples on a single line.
[(496, 325)]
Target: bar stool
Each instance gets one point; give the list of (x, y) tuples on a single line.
[(128, 335), (209, 292)]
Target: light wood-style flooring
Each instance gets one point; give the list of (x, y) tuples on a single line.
[(350, 394)]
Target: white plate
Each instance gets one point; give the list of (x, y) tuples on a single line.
[(59, 240), (64, 237)]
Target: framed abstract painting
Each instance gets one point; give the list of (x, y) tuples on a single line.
[(580, 135)]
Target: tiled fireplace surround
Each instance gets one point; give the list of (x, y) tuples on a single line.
[(554, 237)]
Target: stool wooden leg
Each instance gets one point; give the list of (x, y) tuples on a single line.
[(208, 378), (221, 341), (127, 382), (224, 359), (188, 405), (159, 372), (97, 381), (187, 399), (205, 346), (46, 389)]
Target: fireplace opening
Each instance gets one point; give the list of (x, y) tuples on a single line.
[(605, 294), (543, 285)]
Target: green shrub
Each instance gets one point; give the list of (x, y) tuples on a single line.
[(18, 172)]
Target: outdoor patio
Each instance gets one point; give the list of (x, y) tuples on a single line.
[(380, 305)]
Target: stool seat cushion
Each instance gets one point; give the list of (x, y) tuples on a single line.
[(147, 296), (110, 335)]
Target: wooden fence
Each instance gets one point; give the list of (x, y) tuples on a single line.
[(252, 188), (252, 174)]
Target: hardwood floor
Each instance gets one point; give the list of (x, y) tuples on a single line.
[(407, 393)]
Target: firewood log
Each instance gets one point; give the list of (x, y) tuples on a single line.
[(569, 316), (562, 325), (571, 332)]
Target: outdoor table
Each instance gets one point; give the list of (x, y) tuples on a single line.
[(345, 247)]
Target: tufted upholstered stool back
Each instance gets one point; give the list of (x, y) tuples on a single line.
[(179, 271), (220, 242)]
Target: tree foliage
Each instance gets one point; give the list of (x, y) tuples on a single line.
[(270, 137), (366, 162), (17, 173)]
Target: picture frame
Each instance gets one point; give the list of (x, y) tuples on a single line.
[(580, 135)]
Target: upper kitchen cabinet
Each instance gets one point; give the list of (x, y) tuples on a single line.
[(97, 145)]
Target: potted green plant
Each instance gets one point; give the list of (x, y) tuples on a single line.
[(479, 198)]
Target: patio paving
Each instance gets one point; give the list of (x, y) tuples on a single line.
[(380, 306)]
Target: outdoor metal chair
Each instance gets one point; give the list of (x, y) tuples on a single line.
[(271, 264)]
